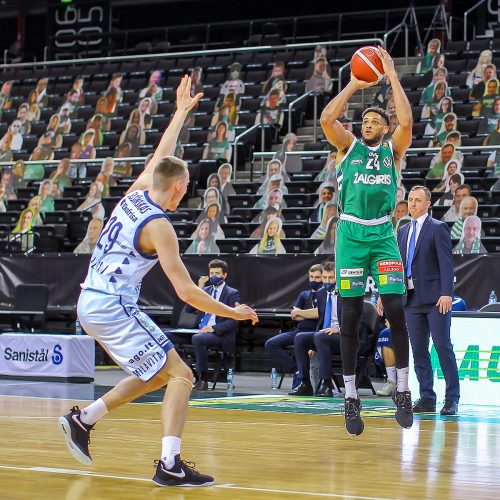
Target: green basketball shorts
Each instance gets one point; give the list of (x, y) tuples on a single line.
[(361, 251)]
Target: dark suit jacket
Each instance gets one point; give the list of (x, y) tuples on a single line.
[(432, 266), (306, 300), (224, 327), (322, 295)]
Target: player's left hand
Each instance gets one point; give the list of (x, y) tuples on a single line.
[(380, 307), (387, 62), (184, 99), (242, 312), (444, 304)]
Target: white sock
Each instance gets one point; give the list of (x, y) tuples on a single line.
[(93, 412), (391, 373), (170, 446), (350, 386), (402, 384)]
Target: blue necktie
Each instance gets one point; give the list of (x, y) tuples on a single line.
[(411, 249), (206, 318), (327, 321)]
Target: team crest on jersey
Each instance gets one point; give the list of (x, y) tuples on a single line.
[(385, 144), (387, 162)]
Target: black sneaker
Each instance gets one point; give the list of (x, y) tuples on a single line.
[(352, 412), (181, 474), (404, 410), (77, 435)]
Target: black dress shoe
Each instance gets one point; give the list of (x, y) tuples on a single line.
[(324, 390), (450, 407), (201, 385), (424, 405), (302, 389)]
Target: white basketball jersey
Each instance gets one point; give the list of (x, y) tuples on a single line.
[(117, 266)]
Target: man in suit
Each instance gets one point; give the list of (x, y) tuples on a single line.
[(425, 247), (214, 331), (305, 313), (325, 340)]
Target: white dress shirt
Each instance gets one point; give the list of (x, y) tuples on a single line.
[(218, 293), (334, 320), (420, 223)]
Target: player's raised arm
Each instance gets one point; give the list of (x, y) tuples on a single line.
[(401, 139), (333, 129), (160, 235), (185, 102)]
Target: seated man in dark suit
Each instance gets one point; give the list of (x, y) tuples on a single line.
[(213, 330), (325, 340), (305, 313)]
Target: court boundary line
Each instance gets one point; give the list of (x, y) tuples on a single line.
[(76, 472)]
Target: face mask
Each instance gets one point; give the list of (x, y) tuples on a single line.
[(329, 286), (216, 281), (315, 285)]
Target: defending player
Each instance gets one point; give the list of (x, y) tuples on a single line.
[(367, 172), (137, 234)]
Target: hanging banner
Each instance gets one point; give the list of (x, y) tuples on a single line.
[(264, 282)]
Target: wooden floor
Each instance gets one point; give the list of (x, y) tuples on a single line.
[(258, 455)]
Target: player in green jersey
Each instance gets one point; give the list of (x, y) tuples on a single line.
[(367, 171)]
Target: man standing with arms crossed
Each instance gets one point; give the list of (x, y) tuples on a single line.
[(367, 172), (137, 235)]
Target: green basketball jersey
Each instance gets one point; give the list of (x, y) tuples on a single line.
[(367, 180)]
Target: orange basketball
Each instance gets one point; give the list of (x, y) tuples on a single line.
[(366, 65)]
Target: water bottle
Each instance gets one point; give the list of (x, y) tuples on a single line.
[(78, 327), (230, 379), (493, 297), (274, 378)]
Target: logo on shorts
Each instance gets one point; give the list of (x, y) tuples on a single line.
[(351, 273), (390, 266), (345, 285), (383, 279), (357, 284), (395, 279), (387, 162)]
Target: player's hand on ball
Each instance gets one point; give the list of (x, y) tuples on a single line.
[(360, 84), (184, 99), (387, 61), (242, 312)]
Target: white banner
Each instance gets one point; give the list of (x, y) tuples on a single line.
[(45, 355), (476, 342)]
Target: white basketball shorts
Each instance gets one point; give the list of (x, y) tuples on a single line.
[(129, 336)]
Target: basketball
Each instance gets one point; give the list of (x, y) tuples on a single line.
[(366, 65)]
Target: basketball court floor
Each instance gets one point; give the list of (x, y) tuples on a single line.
[(258, 446)]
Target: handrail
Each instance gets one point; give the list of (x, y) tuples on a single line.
[(235, 146), (341, 71), (466, 15), (293, 103), (136, 159), (190, 53), (398, 29)]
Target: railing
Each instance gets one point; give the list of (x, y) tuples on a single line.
[(238, 138), (300, 99), (466, 15), (398, 30)]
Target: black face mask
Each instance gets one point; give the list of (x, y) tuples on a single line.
[(330, 287), (315, 285), (215, 280)]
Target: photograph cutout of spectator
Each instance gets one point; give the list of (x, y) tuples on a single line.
[(452, 184), (225, 172), (320, 81), (218, 147), (468, 207), (203, 240), (476, 75), (327, 246), (484, 106), (270, 244), (93, 203), (470, 242), (326, 193), (478, 90), (88, 244), (330, 211), (425, 64)]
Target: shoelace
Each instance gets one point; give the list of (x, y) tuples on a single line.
[(189, 465), (403, 401), (351, 410)]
